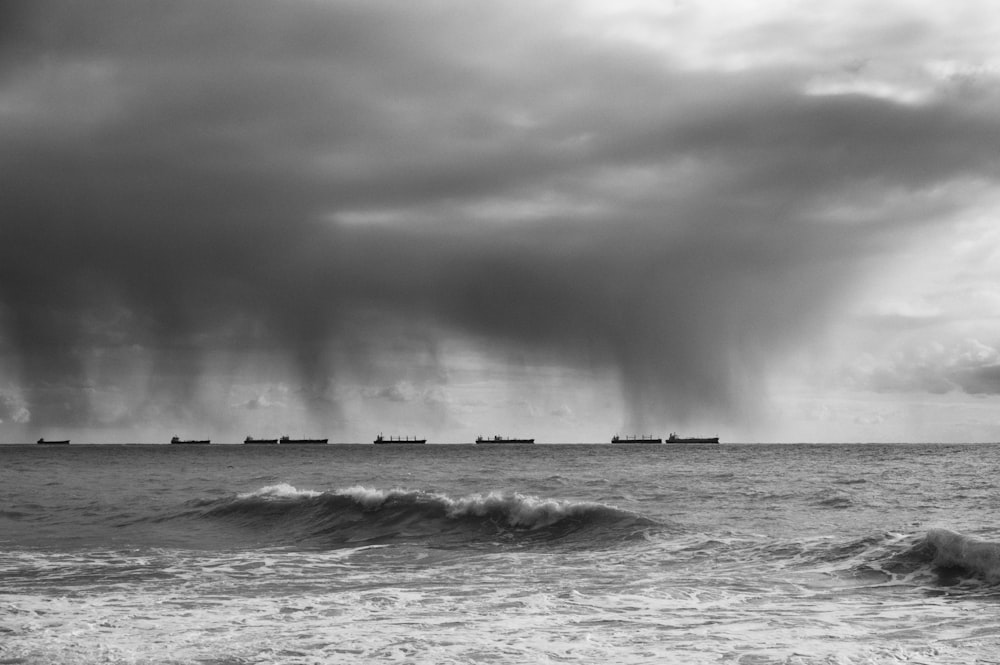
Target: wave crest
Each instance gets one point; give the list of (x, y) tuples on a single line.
[(954, 550), (363, 514), (939, 558)]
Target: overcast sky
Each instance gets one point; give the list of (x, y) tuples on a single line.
[(770, 221)]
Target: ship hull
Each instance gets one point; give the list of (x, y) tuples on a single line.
[(502, 441), (286, 441)]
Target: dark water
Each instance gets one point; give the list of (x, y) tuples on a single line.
[(499, 554)]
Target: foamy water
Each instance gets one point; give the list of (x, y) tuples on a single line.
[(587, 554)]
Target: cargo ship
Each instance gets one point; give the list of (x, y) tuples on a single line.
[(673, 438), (500, 439), (250, 439), (177, 441), (43, 442), (635, 439), (398, 439), (286, 439)]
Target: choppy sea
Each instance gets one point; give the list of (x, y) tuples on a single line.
[(748, 554)]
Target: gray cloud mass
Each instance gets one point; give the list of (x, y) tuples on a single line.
[(187, 179)]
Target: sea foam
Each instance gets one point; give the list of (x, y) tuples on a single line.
[(279, 491)]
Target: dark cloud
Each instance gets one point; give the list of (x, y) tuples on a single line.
[(980, 380), (178, 179)]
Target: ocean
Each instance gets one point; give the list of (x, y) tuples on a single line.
[(746, 554)]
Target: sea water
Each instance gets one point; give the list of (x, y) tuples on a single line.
[(749, 554)]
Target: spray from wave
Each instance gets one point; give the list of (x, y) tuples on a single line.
[(281, 514)]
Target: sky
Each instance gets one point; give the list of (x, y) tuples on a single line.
[(766, 221)]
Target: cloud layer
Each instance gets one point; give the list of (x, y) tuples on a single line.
[(318, 181)]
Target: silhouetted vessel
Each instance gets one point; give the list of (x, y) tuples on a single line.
[(43, 442), (285, 439), (250, 439), (500, 439), (190, 442), (398, 439), (673, 438), (635, 439)]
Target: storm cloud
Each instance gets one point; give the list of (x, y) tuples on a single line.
[(316, 181)]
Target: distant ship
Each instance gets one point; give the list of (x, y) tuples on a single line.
[(673, 438), (397, 439), (250, 439), (285, 439), (500, 439), (635, 439), (43, 442), (176, 440)]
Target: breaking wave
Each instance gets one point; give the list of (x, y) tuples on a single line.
[(939, 559), (938, 562), (282, 514), (950, 550)]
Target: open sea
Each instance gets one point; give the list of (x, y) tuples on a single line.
[(748, 554)]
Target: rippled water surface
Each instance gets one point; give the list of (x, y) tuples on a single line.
[(499, 554)]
